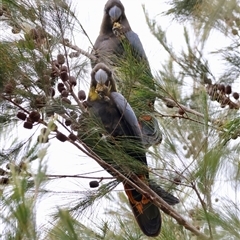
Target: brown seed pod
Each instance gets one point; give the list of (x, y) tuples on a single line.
[(65, 93), (61, 137), (51, 92), (4, 180), (234, 136), (73, 137), (61, 59), (221, 87), (66, 100), (41, 32), (181, 111), (234, 31), (73, 80), (18, 100), (64, 76), (177, 180), (39, 83), (28, 125), (34, 116), (16, 30), (236, 95), (93, 184), (40, 101), (170, 104), (9, 88), (228, 89), (54, 73), (21, 116), (60, 87), (81, 95), (68, 122), (64, 68), (73, 114), (33, 33)]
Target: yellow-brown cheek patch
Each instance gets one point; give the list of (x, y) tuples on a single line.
[(92, 94)]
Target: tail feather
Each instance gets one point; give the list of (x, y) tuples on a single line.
[(166, 196), (146, 213)]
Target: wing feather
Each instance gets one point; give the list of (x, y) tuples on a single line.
[(127, 112)]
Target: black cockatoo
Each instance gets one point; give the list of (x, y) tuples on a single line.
[(121, 49), (120, 122)]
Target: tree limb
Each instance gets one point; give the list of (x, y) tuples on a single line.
[(78, 50)]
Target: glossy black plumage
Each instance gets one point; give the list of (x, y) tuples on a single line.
[(119, 120)]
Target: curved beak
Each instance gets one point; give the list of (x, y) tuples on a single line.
[(115, 13)]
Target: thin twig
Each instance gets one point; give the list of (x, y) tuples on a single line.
[(86, 34), (16, 104), (178, 105), (187, 118), (76, 176)]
